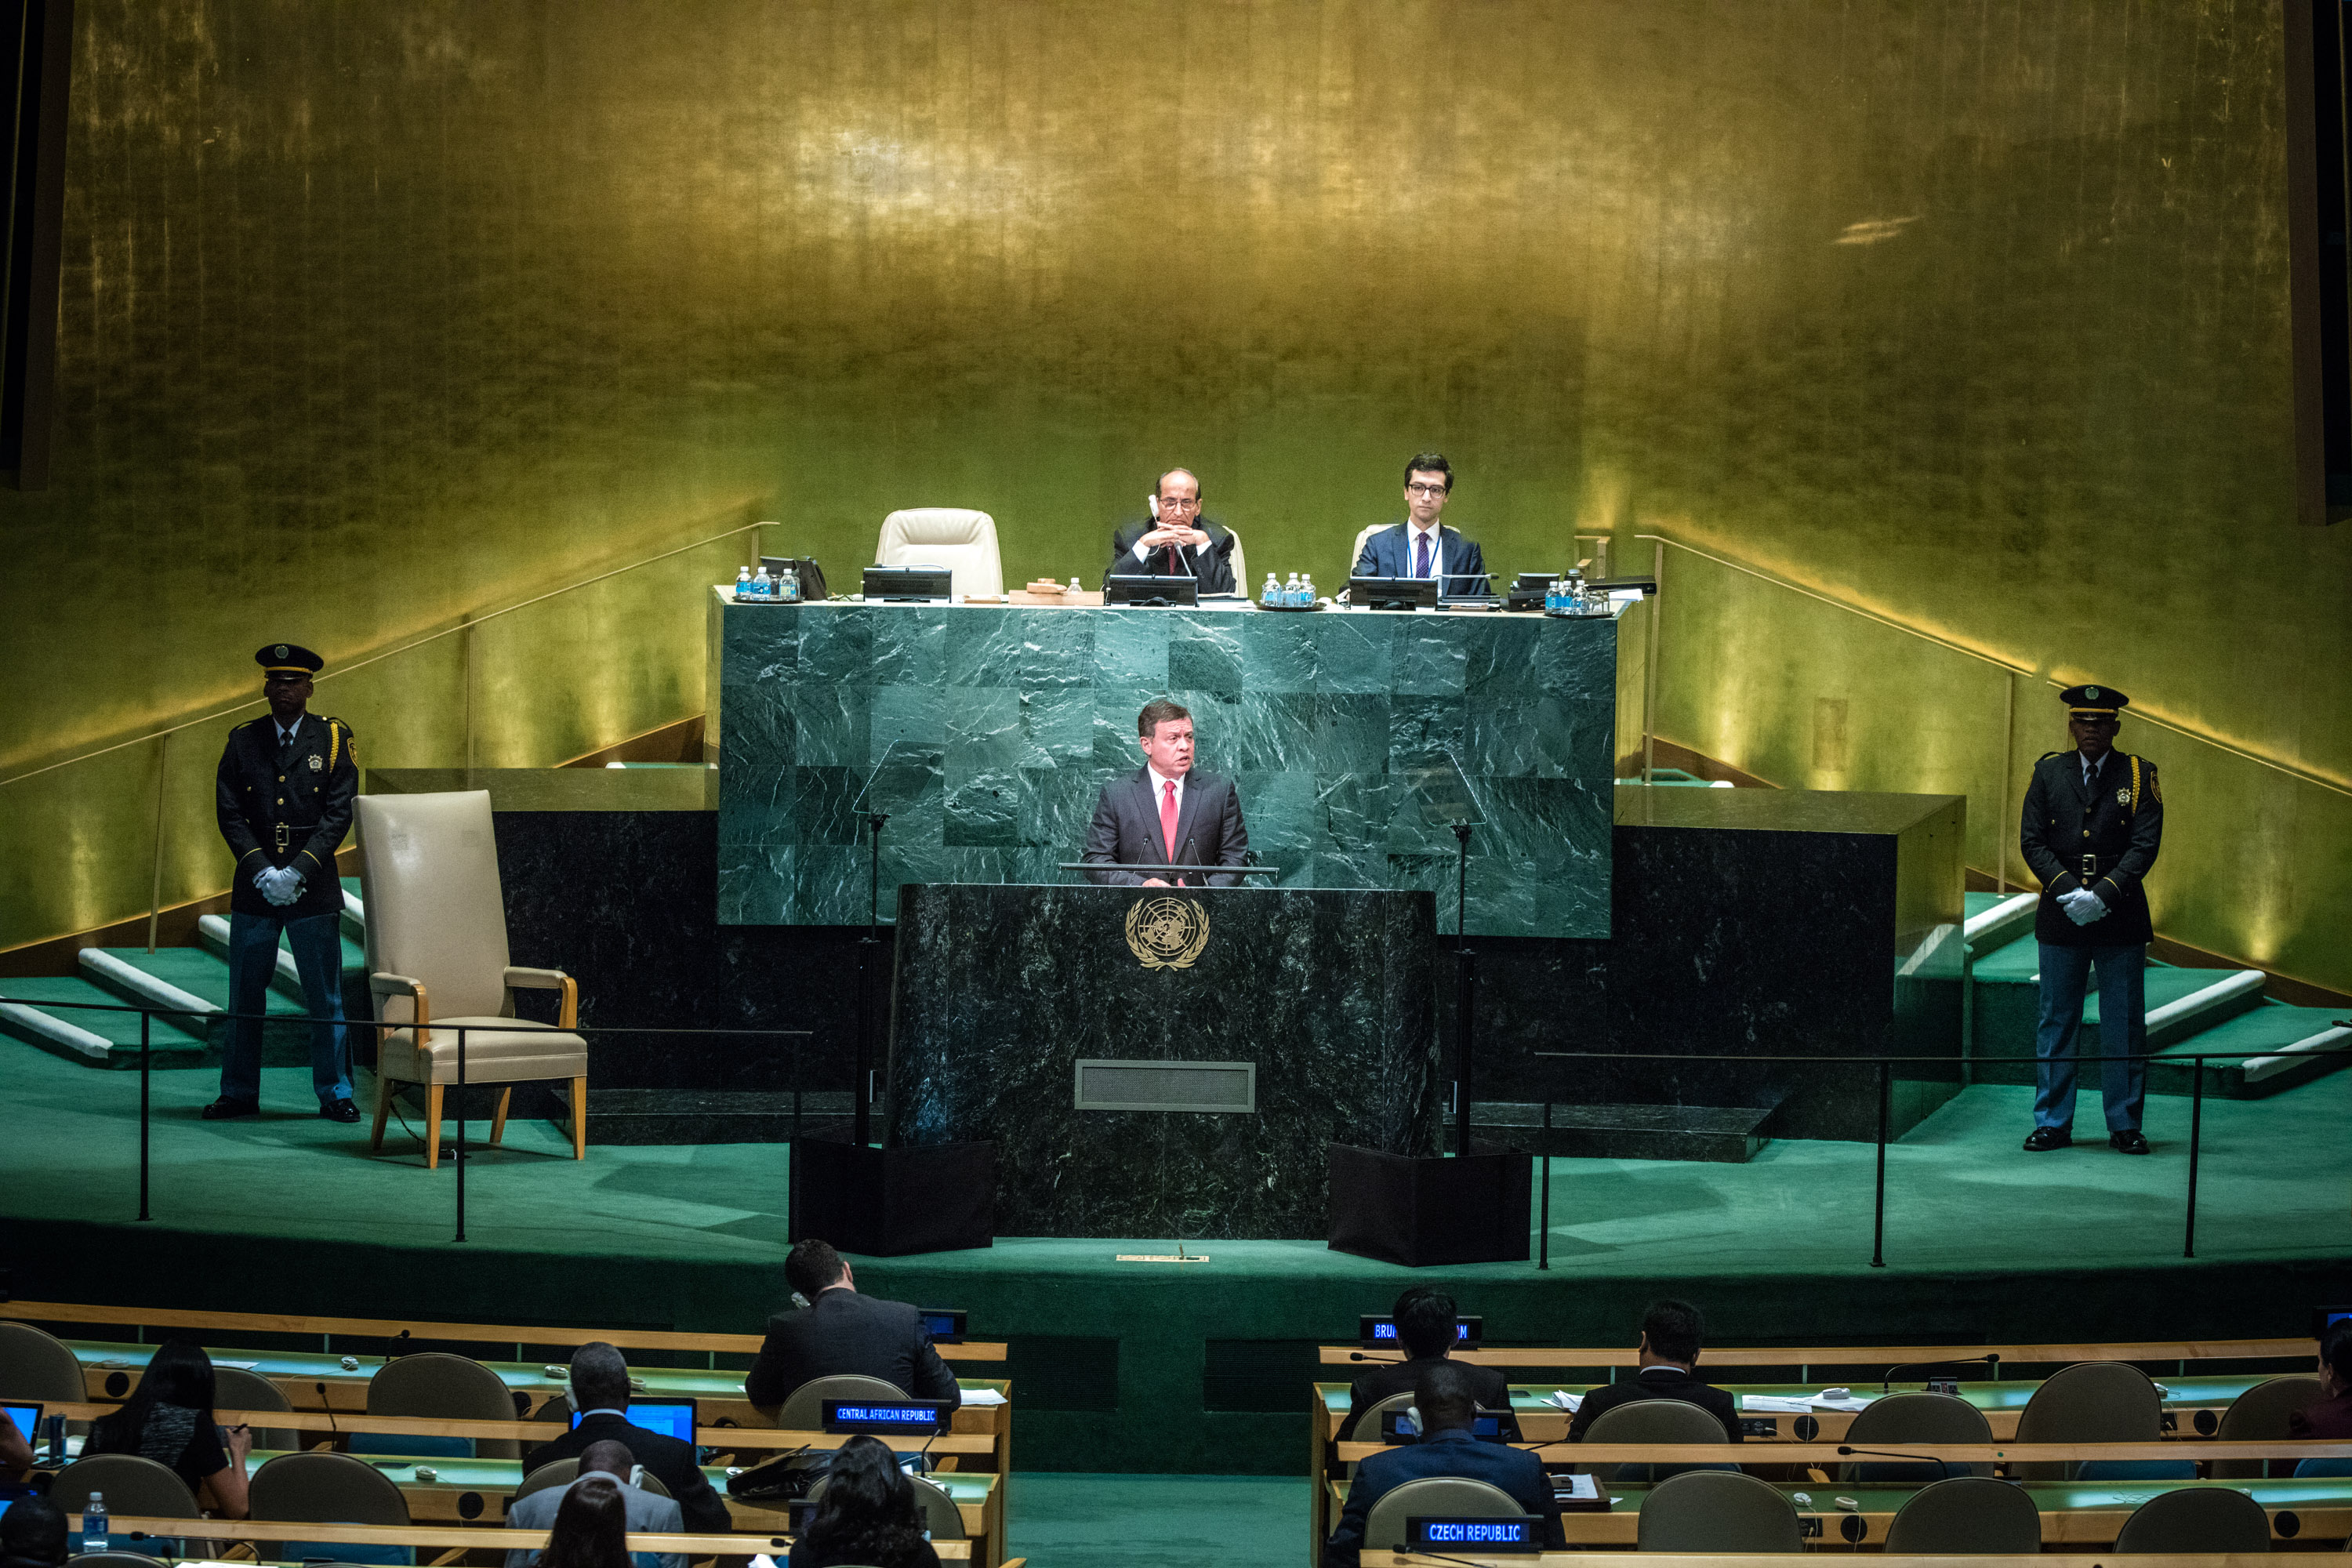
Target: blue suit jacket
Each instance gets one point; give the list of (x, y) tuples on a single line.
[(1455, 1453), (1389, 554)]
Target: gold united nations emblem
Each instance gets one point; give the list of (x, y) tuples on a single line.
[(1166, 933)]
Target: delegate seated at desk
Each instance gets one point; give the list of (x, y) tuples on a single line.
[(1422, 546), (1177, 540), (841, 1332), (1165, 813), (1445, 1395)]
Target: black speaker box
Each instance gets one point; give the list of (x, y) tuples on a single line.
[(887, 1202), (1400, 1208)]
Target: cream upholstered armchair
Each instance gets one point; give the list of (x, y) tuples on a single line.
[(437, 957), (960, 540)]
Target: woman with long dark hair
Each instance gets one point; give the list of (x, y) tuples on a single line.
[(169, 1419), (866, 1514), (591, 1529)]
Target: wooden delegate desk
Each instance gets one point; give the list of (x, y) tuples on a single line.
[(2072, 1515), (125, 1531)]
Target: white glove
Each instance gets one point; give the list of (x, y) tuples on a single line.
[(2083, 906), (281, 886)]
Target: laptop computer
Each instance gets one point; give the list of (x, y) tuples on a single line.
[(670, 1417)]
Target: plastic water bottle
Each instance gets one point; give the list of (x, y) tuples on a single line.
[(788, 585), (761, 586), (1307, 591), (1290, 590), (93, 1523), (1074, 586), (1272, 594), (742, 584)]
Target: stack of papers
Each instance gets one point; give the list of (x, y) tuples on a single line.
[(1561, 1399), (991, 1396), (1775, 1403)]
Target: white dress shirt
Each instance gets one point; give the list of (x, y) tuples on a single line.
[(1413, 534)]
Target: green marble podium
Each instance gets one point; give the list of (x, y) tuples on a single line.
[(1008, 720)]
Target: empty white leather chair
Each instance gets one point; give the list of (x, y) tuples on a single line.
[(954, 537), (437, 957)]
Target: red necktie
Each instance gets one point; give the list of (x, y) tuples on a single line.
[(1421, 570), (1168, 820)]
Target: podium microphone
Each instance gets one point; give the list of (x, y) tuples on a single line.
[(1185, 860)]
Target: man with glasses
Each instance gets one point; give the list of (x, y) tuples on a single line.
[(1176, 542), (1421, 546)]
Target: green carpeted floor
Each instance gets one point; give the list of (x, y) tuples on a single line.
[(1158, 1521), (1198, 1368)]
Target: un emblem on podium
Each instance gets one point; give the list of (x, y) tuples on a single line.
[(1166, 933)]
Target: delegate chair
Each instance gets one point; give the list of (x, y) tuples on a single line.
[(2097, 1402), (941, 1518), (2196, 1519), (1240, 563), (1457, 1497), (1974, 1515), (564, 1472), (1356, 550), (1713, 1511), (2259, 1415), (134, 1487), (962, 541), (330, 1489), (803, 1408), (1367, 1426), (437, 958), (111, 1559), (1900, 1418), (1653, 1421), (39, 1365), (438, 1386), (234, 1388)]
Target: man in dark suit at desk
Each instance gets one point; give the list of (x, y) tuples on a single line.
[(1177, 540), (1165, 813), (1425, 1324), (841, 1332), (1422, 546), (1670, 1336), (600, 1393), (1443, 1397)]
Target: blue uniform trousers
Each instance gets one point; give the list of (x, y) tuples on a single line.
[(318, 946), (2123, 1026)]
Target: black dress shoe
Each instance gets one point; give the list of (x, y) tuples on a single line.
[(227, 1109), (339, 1110), (2127, 1143), (2043, 1139)]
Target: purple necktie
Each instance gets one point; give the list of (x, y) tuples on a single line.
[(1421, 568)]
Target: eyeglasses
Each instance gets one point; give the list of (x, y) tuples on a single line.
[(1425, 489), (1188, 505)]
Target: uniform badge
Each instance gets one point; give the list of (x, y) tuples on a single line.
[(281, 651), (2123, 796), (319, 765)]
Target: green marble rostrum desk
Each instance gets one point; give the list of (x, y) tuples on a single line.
[(1008, 720)]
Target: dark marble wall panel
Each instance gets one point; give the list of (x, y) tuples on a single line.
[(1000, 725), (1001, 990)]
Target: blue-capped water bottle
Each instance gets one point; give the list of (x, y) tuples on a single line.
[(93, 1523), (1306, 590), (742, 584), (788, 585), (1272, 596)]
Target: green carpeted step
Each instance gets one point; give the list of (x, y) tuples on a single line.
[(2260, 1029), (1978, 903), (2163, 983), (92, 1038)]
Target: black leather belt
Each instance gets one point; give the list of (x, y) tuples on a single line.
[(2090, 865), (285, 832)]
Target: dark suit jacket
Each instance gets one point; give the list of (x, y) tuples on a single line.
[(1488, 1387), (1515, 1470), (2120, 820), (1212, 565), (1389, 554), (1125, 829), (1658, 1383), (843, 1333), (664, 1457)]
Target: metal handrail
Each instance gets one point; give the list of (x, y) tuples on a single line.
[(466, 623), (2291, 770)]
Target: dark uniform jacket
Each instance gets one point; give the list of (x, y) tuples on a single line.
[(288, 809), (2117, 823), (1212, 565), (847, 1332)]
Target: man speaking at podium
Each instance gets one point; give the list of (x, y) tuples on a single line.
[(1165, 813)]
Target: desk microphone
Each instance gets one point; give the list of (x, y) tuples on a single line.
[(1943, 1465), (1993, 1359), (335, 1433)]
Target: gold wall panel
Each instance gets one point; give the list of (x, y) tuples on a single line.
[(379, 316)]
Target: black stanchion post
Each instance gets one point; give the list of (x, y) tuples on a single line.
[(2196, 1136), (1464, 961), (1543, 1223), (868, 949), (461, 1133), (145, 1020), (1878, 1222)]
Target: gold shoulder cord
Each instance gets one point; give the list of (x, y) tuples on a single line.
[(335, 741), (2134, 805)]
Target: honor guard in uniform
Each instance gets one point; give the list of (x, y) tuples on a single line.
[(283, 792), (2093, 821)]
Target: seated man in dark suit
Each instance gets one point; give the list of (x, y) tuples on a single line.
[(600, 1393), (1426, 1319), (1165, 813), (1176, 541), (841, 1332), (1443, 1395), (1421, 546), (1670, 1336)]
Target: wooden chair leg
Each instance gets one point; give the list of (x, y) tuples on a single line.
[(499, 1117), (579, 1119), (383, 1092), (433, 1126)]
